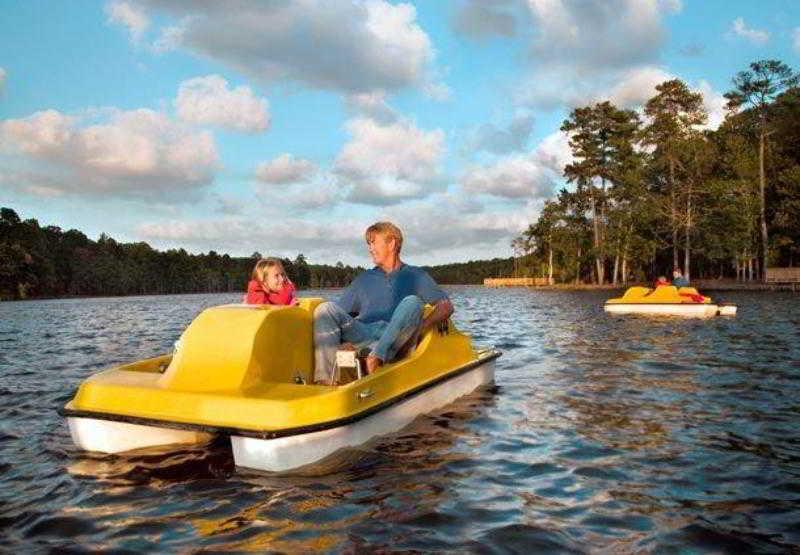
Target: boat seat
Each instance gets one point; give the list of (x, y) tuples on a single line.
[(666, 292), (636, 293)]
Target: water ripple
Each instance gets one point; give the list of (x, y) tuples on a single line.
[(602, 434)]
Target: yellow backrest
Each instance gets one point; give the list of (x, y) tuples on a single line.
[(237, 347), (667, 293), (688, 291), (635, 293)]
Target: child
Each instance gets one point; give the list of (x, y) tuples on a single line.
[(661, 282), (269, 284)]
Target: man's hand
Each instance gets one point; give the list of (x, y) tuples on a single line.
[(373, 363), (442, 310)]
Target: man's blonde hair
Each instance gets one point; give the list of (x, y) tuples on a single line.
[(388, 229)]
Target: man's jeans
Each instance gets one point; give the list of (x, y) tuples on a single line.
[(333, 326)]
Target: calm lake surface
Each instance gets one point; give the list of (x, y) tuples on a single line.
[(619, 434)]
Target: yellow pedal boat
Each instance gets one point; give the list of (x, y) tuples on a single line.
[(246, 372), (668, 300)]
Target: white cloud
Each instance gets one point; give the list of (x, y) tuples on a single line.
[(480, 20), (371, 105), (170, 37), (598, 35), (129, 15), (321, 193), (637, 86), (208, 101), (275, 237), (514, 177), (386, 163), (796, 39), (756, 36), (554, 153), (714, 103), (502, 140), (138, 153), (626, 88), (582, 50), (285, 169), (2, 78), (350, 47), (435, 231), (228, 205)]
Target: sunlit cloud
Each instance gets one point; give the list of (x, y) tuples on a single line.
[(208, 101), (434, 228), (285, 169), (756, 36), (138, 153), (358, 47), (514, 177), (129, 15), (387, 163)]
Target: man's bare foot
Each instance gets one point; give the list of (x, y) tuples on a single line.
[(373, 363)]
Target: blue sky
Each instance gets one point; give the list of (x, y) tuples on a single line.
[(287, 127)]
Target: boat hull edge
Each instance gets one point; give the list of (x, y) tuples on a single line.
[(106, 436), (291, 452), (687, 310)]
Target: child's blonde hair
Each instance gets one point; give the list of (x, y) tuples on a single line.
[(260, 271)]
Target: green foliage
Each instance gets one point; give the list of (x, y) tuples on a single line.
[(48, 262), (646, 191), (602, 138)]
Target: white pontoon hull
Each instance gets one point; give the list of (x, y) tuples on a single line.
[(286, 453), (688, 310), (106, 436), (727, 310)]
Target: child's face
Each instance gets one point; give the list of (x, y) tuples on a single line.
[(275, 278)]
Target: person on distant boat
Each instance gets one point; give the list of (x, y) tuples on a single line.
[(269, 284), (381, 309), (678, 280), (661, 282)]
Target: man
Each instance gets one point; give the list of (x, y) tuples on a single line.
[(387, 301), (677, 278)]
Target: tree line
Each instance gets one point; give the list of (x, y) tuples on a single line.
[(653, 190), (45, 261)]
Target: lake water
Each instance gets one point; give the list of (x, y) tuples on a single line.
[(602, 434)]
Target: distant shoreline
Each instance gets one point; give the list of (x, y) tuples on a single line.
[(701, 284)]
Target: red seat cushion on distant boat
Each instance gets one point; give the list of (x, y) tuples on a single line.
[(695, 298)]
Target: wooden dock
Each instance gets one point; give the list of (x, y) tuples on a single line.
[(784, 276), (516, 282)]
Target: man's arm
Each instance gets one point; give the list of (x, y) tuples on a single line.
[(442, 310)]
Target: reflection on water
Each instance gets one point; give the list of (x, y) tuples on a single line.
[(602, 433)]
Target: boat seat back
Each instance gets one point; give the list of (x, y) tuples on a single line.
[(665, 293), (688, 291), (635, 293), (237, 347)]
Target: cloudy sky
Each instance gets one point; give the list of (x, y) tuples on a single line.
[(289, 126)]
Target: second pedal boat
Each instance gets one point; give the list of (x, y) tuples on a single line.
[(668, 300), (246, 372)]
